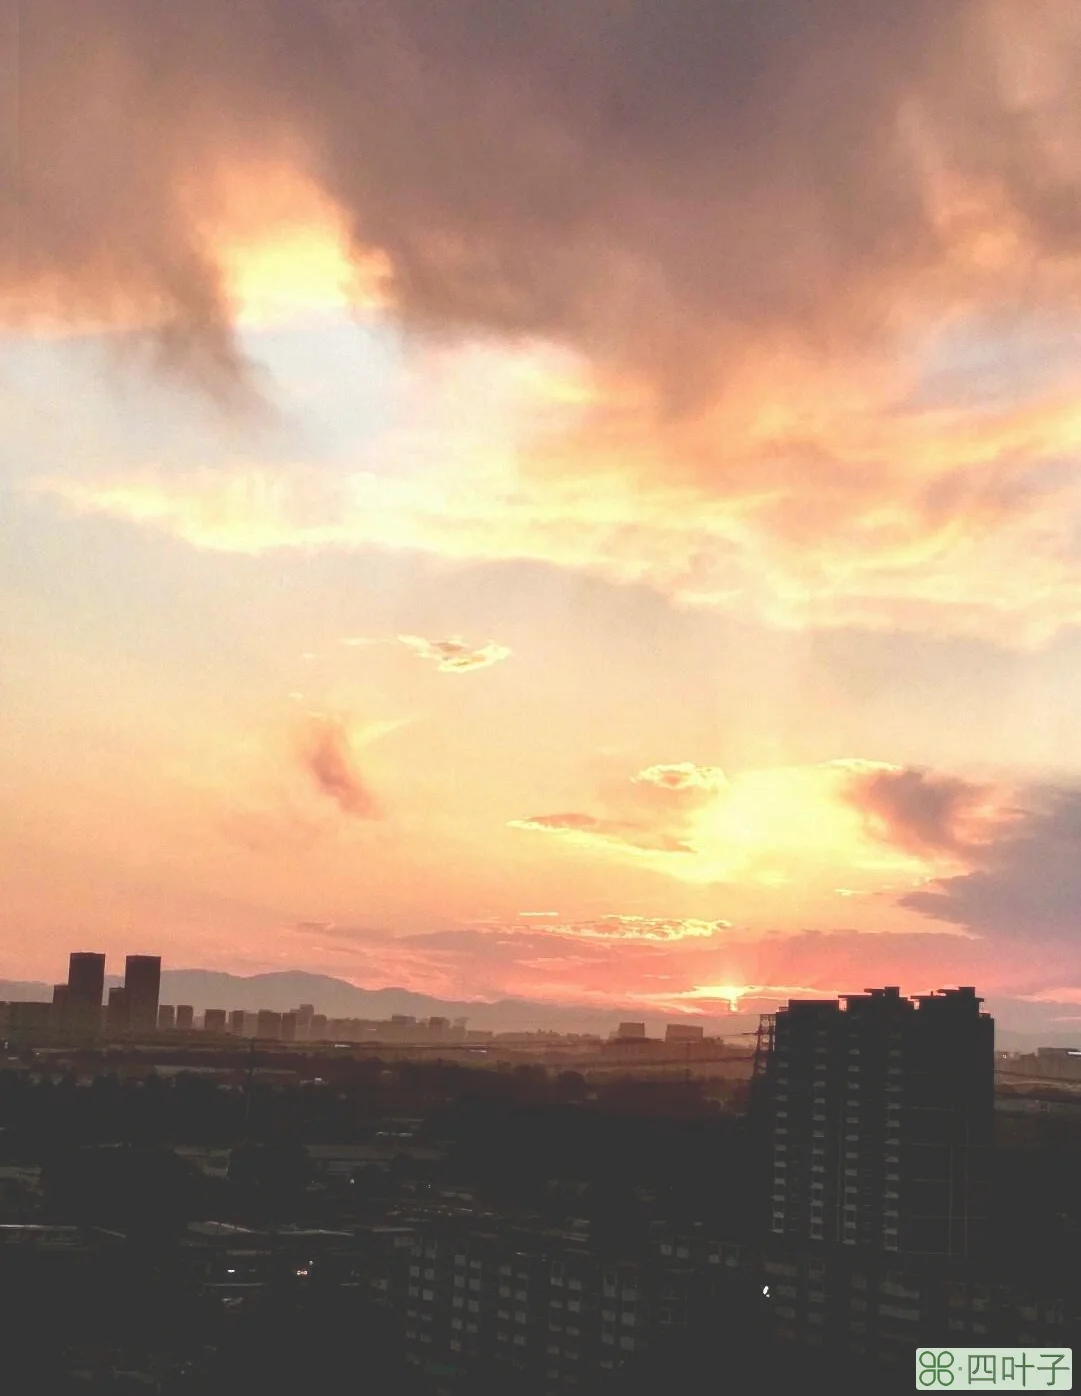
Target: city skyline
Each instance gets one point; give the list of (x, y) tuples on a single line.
[(614, 545)]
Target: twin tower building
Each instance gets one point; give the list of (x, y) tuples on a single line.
[(132, 1007)]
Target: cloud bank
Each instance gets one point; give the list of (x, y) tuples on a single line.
[(658, 183), (763, 230)]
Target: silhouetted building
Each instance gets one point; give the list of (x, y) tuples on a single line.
[(81, 1004), (214, 1020), (142, 985), (318, 1027), (185, 1017), (166, 1017), (627, 1031), (116, 1012), (238, 1022), (305, 1014), (28, 1018), (877, 1114), (289, 1027), (268, 1024), (683, 1032)]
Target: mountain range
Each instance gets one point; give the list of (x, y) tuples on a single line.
[(337, 998)]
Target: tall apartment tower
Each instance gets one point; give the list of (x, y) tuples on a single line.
[(142, 985), (81, 1003), (876, 1116), (116, 1013)]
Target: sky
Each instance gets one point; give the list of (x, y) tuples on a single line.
[(577, 502)]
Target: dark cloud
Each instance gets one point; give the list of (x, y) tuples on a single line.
[(923, 812), (1026, 886), (655, 181), (328, 759)]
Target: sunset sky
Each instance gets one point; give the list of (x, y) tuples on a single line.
[(577, 501)]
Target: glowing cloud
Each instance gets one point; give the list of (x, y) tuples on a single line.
[(779, 826), (454, 656)]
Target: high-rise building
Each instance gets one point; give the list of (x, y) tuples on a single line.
[(214, 1020), (289, 1027), (185, 1017), (116, 1012), (142, 985), (238, 1022), (876, 1114), (636, 1031), (166, 1017), (81, 1004), (318, 1029), (268, 1024)]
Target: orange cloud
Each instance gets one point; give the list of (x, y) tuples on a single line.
[(328, 758), (647, 929)]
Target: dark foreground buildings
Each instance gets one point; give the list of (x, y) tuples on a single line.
[(877, 1116), (872, 1124)]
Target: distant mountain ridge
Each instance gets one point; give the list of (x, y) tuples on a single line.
[(337, 998)]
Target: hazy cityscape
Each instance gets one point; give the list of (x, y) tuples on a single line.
[(220, 1196), (540, 641)]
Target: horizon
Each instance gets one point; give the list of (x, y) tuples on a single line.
[(608, 536), (1015, 1026)]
